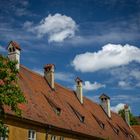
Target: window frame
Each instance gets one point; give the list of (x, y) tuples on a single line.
[(53, 137), (30, 136), (5, 138)]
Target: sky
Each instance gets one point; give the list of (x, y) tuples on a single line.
[(96, 40)]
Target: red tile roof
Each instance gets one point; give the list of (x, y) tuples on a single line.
[(40, 97), (136, 128)]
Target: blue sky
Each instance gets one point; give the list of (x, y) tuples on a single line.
[(97, 40)]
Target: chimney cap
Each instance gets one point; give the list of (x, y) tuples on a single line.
[(126, 106), (104, 96), (48, 66), (14, 44), (78, 79)]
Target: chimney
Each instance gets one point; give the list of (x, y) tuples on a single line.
[(79, 89), (14, 53), (127, 114), (49, 74), (105, 103)]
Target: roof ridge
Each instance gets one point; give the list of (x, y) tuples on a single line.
[(34, 72)]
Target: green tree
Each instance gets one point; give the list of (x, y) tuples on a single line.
[(133, 120), (10, 93)]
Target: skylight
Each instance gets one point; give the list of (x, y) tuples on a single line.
[(114, 128), (123, 131), (55, 108), (79, 116), (100, 123)]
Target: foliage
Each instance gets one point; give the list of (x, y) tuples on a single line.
[(10, 93), (133, 120)]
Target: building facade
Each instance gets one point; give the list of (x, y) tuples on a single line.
[(53, 112)]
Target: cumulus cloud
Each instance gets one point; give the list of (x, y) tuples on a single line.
[(109, 56), (58, 27), (92, 86), (117, 107)]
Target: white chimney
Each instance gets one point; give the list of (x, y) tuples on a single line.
[(79, 89), (127, 114), (105, 103), (49, 74), (14, 53)]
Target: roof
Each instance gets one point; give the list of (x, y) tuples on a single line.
[(14, 44), (136, 129), (61, 108), (138, 118)]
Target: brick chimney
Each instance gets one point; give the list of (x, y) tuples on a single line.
[(79, 89), (14, 53), (49, 74), (105, 103), (127, 114)]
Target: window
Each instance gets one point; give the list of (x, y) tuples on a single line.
[(61, 138), (31, 135), (79, 116), (131, 136), (101, 124), (114, 128), (5, 138), (56, 109), (53, 138), (124, 131)]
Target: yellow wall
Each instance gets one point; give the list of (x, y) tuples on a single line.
[(19, 131)]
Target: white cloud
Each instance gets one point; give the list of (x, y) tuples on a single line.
[(123, 84), (135, 73), (58, 27), (92, 86), (117, 107), (109, 56), (27, 25), (62, 76)]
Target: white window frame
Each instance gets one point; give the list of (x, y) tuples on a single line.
[(4, 138), (53, 137), (31, 136)]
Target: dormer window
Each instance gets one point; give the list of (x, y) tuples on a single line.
[(131, 136), (55, 108), (79, 116), (100, 123), (123, 131), (114, 128)]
